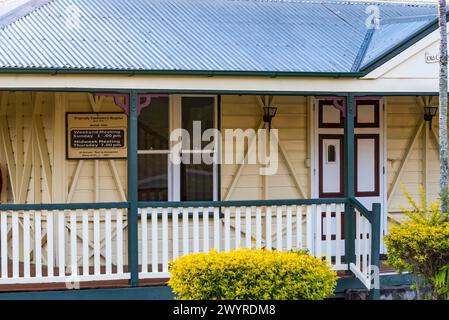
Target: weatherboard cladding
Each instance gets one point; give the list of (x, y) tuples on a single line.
[(204, 35)]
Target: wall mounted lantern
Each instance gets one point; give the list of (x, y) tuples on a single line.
[(268, 115), (429, 113)]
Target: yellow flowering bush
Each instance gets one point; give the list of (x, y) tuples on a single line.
[(418, 247), (421, 244), (251, 275)]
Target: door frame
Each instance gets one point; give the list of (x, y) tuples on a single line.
[(315, 132)]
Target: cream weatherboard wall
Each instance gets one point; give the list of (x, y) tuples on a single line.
[(292, 180), (412, 152), (32, 155), (411, 148), (33, 152), (29, 160)]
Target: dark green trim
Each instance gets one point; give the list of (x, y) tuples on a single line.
[(207, 73), (363, 210), (349, 176), (165, 293), (63, 206), (243, 203), (386, 281), (344, 284), (219, 169), (166, 204), (132, 293), (133, 251)]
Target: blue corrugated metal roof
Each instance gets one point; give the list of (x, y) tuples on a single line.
[(391, 33), (204, 35)]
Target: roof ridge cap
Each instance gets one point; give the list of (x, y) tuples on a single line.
[(21, 11)]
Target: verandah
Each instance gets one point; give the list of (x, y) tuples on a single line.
[(109, 215)]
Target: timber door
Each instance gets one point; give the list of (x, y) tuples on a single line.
[(328, 153)]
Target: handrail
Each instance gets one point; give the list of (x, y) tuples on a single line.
[(243, 203), (167, 204), (63, 206), (362, 209), (373, 216)]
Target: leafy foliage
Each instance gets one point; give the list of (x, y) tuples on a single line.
[(424, 212), (442, 282), (421, 244), (251, 275)]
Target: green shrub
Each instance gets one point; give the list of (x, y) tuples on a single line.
[(251, 275), (421, 244)]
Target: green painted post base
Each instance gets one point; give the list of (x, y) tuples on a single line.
[(374, 294)]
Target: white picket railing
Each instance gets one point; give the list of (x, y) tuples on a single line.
[(166, 233), (50, 246), (62, 246), (362, 266)]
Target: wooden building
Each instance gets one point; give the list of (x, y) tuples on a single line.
[(350, 87)]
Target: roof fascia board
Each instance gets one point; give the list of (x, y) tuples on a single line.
[(213, 84)]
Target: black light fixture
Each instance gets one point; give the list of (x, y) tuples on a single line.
[(268, 115), (429, 113)]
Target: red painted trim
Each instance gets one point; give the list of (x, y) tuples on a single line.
[(376, 191), (143, 101), (376, 122), (322, 124), (338, 102), (342, 228), (322, 194)]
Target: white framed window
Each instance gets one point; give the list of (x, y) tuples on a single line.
[(159, 178)]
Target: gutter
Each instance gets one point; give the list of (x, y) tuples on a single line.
[(207, 73)]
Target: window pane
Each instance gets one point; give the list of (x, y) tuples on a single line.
[(153, 125), (197, 182), (153, 179), (198, 109)]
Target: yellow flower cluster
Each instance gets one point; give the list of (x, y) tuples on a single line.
[(421, 243), (251, 275), (418, 247)]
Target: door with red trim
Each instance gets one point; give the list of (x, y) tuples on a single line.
[(328, 148)]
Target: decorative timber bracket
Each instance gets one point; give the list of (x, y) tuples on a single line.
[(338, 102), (122, 100)]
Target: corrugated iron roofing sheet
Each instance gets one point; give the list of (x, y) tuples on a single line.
[(201, 35)]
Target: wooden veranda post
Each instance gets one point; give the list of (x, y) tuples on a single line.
[(349, 218), (132, 190)]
